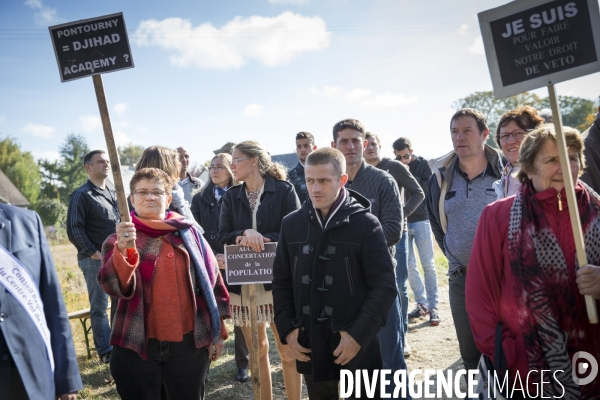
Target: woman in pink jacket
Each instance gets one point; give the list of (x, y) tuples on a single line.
[(523, 274)]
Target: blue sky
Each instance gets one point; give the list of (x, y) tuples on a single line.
[(210, 71)]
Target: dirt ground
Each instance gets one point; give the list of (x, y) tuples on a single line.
[(433, 347)]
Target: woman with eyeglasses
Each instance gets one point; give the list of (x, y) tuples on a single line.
[(251, 214), (168, 160), (172, 299), (206, 208), (512, 129)]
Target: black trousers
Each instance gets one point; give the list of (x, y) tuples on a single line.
[(179, 366), (241, 349)]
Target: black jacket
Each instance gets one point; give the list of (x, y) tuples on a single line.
[(407, 184), (206, 211), (278, 200), (340, 278), (592, 155), (296, 178), (91, 218), (419, 168)]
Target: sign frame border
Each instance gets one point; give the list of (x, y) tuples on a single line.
[(501, 91), (81, 21), (246, 283)]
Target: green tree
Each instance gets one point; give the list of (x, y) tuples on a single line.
[(21, 168), (573, 110), (60, 178), (130, 154), (51, 211)]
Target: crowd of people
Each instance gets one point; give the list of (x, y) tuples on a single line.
[(346, 220)]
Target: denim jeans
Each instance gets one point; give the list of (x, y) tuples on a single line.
[(401, 257), (98, 304), (468, 351), (179, 367), (419, 234)]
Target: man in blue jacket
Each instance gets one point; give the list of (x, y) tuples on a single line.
[(37, 357)]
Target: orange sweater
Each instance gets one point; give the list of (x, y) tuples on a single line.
[(171, 313)]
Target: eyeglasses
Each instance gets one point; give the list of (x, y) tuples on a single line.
[(235, 161), (517, 135), (144, 193), (216, 168)]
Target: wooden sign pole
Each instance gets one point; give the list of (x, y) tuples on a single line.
[(112, 152), (250, 292), (563, 155)]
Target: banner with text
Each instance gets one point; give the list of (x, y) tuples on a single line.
[(534, 43), (245, 266), (91, 46)]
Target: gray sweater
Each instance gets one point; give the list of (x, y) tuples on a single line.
[(382, 191)]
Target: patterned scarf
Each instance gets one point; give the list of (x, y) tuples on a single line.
[(196, 247), (552, 313)]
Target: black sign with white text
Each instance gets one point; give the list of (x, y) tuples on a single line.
[(533, 43), (245, 266), (549, 38), (91, 46)]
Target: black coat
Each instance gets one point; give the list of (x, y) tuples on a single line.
[(278, 200), (206, 211), (340, 278)]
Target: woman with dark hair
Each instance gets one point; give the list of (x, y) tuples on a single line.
[(251, 214), (168, 324), (512, 129), (523, 273)]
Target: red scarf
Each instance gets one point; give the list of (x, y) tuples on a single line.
[(552, 313)]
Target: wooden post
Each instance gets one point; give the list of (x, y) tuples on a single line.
[(563, 155), (250, 292), (112, 152)]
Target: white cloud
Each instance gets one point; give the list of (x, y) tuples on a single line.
[(294, 2), (389, 100), (120, 109), (121, 139), (49, 155), (44, 16), (272, 41), (364, 96), (39, 130), (328, 92), (463, 29), (477, 47), (356, 94), (90, 123), (252, 110)]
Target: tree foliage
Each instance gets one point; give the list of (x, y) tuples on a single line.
[(60, 178), (20, 167), (130, 154), (51, 211), (574, 110)]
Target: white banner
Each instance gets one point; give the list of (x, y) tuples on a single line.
[(15, 278)]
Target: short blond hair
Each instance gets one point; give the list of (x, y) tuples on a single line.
[(533, 144)]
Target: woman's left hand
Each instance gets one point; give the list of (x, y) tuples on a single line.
[(216, 349), (252, 239), (588, 280)]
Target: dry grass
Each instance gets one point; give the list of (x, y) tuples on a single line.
[(433, 347)]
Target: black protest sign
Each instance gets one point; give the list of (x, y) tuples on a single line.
[(245, 266), (91, 46), (533, 43)]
